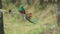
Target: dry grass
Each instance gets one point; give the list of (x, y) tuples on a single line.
[(15, 25)]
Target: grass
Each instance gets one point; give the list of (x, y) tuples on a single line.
[(58, 33), (15, 24)]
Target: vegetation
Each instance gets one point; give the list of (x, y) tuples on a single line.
[(43, 15)]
